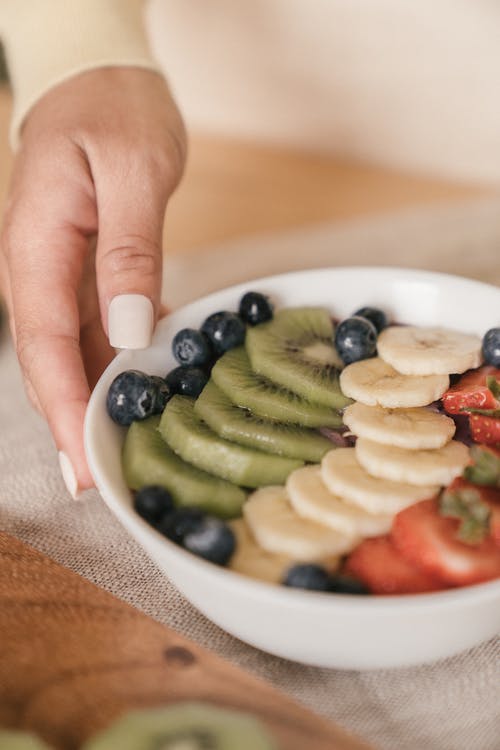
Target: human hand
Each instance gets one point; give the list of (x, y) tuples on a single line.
[(100, 155)]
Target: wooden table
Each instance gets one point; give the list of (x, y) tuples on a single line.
[(233, 188)]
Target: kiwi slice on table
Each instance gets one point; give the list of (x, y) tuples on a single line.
[(233, 374), (193, 440), (11, 739), (185, 726), (296, 351), (148, 460), (242, 427)]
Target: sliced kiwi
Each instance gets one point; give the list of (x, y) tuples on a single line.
[(11, 739), (147, 459), (193, 440), (233, 374), (184, 726), (296, 351), (242, 427)]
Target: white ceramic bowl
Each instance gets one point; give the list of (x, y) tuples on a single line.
[(326, 630)]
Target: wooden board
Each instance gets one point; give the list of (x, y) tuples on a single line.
[(73, 657)]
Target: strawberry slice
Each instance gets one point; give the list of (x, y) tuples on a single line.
[(472, 391), (485, 428), (378, 564), (488, 495), (485, 467), (429, 540)]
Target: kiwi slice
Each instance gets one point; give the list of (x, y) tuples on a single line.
[(242, 427), (193, 440), (233, 374), (147, 459), (11, 739), (185, 726), (296, 351)]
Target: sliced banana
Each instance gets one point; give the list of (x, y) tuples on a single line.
[(414, 350), (345, 477), (251, 560), (414, 429), (374, 382), (278, 528), (424, 467), (311, 498)]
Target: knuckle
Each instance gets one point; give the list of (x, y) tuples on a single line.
[(133, 254)]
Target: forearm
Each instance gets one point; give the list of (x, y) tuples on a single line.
[(48, 41)]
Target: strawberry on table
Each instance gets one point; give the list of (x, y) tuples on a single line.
[(378, 564), (429, 540), (473, 391)]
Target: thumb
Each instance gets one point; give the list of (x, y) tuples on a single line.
[(129, 261)]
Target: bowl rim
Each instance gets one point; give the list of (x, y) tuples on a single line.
[(473, 593)]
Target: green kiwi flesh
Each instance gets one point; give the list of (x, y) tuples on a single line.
[(241, 426), (186, 726), (296, 351), (147, 459), (193, 440), (11, 739), (233, 374)]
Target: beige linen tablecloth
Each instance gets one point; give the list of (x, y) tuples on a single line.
[(450, 705)]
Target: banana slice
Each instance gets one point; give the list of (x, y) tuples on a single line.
[(251, 560), (414, 429), (374, 382), (311, 498), (437, 466), (344, 476), (278, 528), (413, 350)]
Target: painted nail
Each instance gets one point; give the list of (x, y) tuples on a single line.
[(69, 476), (130, 321)]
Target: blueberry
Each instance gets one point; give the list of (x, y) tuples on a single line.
[(212, 539), (347, 585), (491, 347), (188, 381), (180, 522), (153, 503), (307, 576), (131, 397), (255, 308), (162, 394), (375, 316), (192, 347), (355, 339), (225, 330)]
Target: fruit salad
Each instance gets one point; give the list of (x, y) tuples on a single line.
[(356, 456)]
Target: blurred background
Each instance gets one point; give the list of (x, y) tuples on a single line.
[(377, 122)]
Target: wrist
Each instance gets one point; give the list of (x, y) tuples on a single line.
[(53, 40)]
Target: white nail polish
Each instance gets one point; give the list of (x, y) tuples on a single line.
[(130, 321), (69, 476)]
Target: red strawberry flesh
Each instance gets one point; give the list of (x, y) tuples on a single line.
[(429, 541), (379, 565)]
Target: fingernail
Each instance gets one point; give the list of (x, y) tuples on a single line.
[(130, 321), (69, 476)]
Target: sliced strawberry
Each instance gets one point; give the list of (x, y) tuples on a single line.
[(378, 564), (472, 391), (485, 428), (429, 540), (485, 467), (488, 495)]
